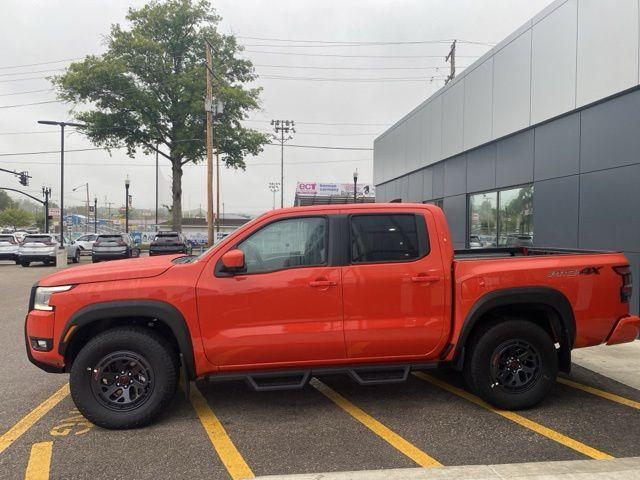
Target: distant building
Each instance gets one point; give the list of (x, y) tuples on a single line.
[(318, 193)]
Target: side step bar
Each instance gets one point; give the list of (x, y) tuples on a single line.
[(265, 381)]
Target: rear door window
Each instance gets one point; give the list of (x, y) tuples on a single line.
[(384, 238)]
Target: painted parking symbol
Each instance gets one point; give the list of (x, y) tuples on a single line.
[(74, 424)]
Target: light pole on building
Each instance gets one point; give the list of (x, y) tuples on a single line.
[(61, 125), (127, 182), (355, 185)]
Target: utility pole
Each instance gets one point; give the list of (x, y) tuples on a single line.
[(209, 140), (95, 214), (281, 127), (156, 229), (451, 56), (274, 187)]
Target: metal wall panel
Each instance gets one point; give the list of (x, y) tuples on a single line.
[(438, 181), (610, 135), (455, 209), (452, 119), (381, 193), (514, 161), (415, 187), (413, 141), (425, 134), (634, 262), (434, 120), (553, 65), (455, 175), (557, 148), (393, 190), (609, 202), (478, 99), (378, 154), (397, 164), (512, 86), (481, 168), (555, 212), (607, 48), (404, 188), (427, 184)]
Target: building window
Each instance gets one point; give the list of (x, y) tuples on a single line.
[(502, 218)]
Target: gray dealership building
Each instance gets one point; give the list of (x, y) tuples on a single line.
[(537, 142)]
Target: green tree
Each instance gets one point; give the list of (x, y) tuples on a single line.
[(16, 218), (5, 200), (148, 89)]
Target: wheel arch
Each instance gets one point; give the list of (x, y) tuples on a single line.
[(95, 318), (525, 301)]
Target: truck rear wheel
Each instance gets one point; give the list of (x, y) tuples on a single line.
[(124, 378), (512, 364)]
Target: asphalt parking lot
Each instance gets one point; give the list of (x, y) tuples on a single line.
[(225, 430)]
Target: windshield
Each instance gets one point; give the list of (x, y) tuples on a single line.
[(110, 238)]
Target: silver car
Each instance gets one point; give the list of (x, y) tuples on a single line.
[(85, 243), (42, 248), (9, 247)]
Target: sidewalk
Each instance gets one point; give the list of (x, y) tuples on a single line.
[(618, 362), (617, 469)]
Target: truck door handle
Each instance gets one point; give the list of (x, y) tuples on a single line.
[(425, 279), (322, 283)]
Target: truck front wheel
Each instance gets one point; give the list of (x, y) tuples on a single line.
[(124, 378), (512, 364)]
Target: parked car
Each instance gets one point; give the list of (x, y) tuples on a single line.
[(43, 248), (519, 240), (85, 243), (170, 243), (372, 290), (9, 247), (114, 246)]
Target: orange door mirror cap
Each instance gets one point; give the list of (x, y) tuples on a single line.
[(233, 259)]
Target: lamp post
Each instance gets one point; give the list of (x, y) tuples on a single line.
[(95, 214), (355, 185), (61, 125), (274, 187), (127, 182), (86, 222)]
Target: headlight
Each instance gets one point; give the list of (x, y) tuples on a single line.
[(43, 295)]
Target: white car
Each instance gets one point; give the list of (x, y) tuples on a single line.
[(9, 247), (85, 243), (42, 248)]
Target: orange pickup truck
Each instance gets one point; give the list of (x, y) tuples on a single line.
[(370, 290)]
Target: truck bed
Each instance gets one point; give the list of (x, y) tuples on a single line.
[(502, 252)]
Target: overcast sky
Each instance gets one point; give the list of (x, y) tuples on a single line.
[(37, 31)]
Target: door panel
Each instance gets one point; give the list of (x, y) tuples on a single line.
[(394, 308), (284, 307)]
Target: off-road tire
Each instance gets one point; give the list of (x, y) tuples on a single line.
[(145, 343), (483, 358)]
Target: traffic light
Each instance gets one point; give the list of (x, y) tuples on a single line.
[(24, 179)]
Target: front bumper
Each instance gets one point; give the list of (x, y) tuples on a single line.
[(627, 329), (39, 325)]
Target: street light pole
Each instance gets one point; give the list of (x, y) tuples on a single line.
[(95, 214), (127, 182), (274, 187), (61, 125), (355, 185), (156, 229), (281, 127)]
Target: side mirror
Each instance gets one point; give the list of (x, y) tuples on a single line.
[(233, 260)]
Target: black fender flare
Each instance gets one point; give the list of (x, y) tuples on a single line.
[(563, 323), (159, 310)]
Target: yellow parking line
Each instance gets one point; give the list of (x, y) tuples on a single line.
[(600, 393), (39, 461), (227, 451), (388, 435), (31, 418), (519, 419)]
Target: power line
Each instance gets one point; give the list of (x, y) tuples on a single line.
[(25, 92), (358, 43), (351, 80), (31, 72), (313, 67), (28, 104), (202, 164), (21, 79), (301, 54), (7, 67), (327, 123)]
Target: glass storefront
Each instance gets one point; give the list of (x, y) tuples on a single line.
[(502, 218)]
